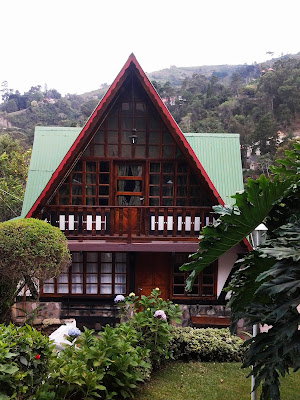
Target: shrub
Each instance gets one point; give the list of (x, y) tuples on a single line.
[(105, 366), (151, 316), (24, 361), (206, 345)]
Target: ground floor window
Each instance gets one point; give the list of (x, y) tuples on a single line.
[(205, 282), (91, 273)]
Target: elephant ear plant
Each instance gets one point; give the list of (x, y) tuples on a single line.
[(266, 287)]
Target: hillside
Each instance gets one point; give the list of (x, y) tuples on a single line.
[(257, 101)]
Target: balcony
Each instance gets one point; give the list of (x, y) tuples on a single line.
[(129, 223)]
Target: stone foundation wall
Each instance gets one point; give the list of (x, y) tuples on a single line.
[(198, 310)]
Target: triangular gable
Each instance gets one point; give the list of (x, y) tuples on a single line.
[(97, 117)]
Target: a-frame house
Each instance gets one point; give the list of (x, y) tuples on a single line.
[(131, 193)]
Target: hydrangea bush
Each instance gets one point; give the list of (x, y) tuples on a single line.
[(151, 317)]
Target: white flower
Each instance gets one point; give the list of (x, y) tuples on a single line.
[(119, 298)]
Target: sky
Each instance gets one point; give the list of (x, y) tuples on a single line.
[(75, 46)]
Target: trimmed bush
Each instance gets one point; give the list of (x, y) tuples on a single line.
[(207, 344), (24, 361)]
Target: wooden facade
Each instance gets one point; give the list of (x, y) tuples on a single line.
[(131, 197)]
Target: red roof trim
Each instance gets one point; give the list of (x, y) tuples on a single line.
[(163, 111)]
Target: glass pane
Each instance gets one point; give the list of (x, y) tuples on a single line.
[(106, 268), (181, 191), (208, 279), (207, 291), (77, 268), (90, 166), (92, 256), (127, 123), (64, 190), (77, 289), (48, 288), (181, 202), (103, 202), (140, 108), (99, 137), (167, 202), (179, 290), (154, 202), (106, 289), (140, 151), (126, 108), (193, 180), (154, 167), (106, 257), (129, 186), (120, 278), (76, 200), (126, 151), (104, 178), (77, 278), (92, 268), (76, 190), (195, 191), (77, 256), (167, 151), (99, 150), (78, 166), (104, 166), (182, 168), (90, 190), (194, 290), (103, 190), (181, 180), (120, 268), (106, 278), (112, 150), (167, 168), (167, 139), (91, 178), (153, 151), (153, 122), (62, 288), (87, 152), (120, 289), (154, 191), (154, 137), (91, 289), (140, 124), (154, 179), (167, 191), (121, 257), (179, 279), (63, 278), (63, 201), (113, 122), (90, 201), (77, 178), (112, 137), (91, 278)]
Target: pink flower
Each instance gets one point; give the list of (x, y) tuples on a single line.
[(160, 314)]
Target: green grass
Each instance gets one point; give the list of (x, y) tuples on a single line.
[(207, 381)]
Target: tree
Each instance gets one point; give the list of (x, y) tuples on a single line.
[(266, 287), (13, 173), (29, 249)]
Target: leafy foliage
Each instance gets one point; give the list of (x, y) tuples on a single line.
[(29, 249), (154, 332), (24, 361), (13, 173), (266, 287), (205, 345)]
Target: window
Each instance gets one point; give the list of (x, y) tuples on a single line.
[(204, 285), (91, 273)]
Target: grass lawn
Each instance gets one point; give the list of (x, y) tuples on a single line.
[(208, 381)]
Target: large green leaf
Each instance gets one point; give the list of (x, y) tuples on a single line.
[(237, 222)]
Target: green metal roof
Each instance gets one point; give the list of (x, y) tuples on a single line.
[(49, 148), (218, 153)]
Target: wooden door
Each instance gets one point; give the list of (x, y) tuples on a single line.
[(153, 270), (129, 194)]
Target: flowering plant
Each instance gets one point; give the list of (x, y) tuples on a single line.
[(119, 298), (74, 333), (160, 314)]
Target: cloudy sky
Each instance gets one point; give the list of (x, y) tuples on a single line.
[(74, 46)]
